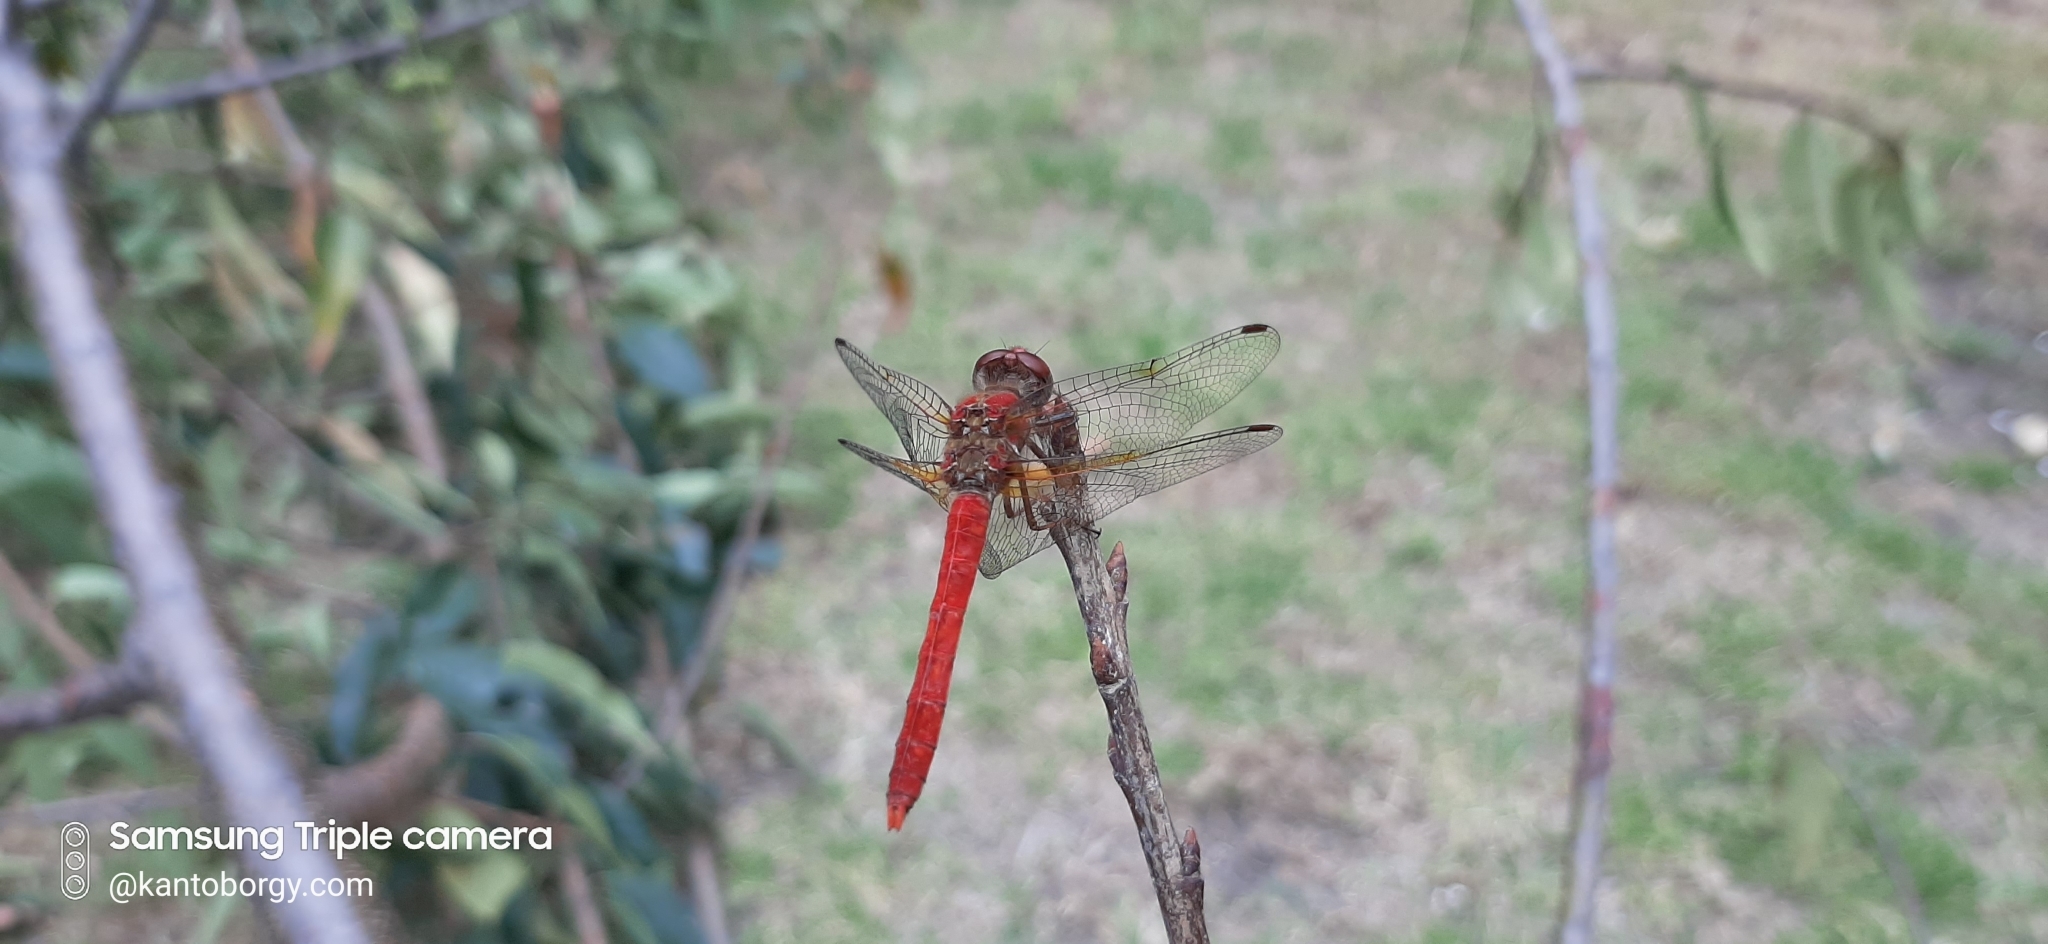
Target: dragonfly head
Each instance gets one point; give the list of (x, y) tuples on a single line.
[(1013, 369)]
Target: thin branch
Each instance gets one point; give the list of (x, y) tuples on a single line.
[(28, 605), (1674, 73), (702, 860), (718, 615), (176, 635), (1603, 388), (402, 381), (399, 778), (230, 81), (141, 23), (93, 693), (1175, 862), (583, 912), (301, 166)]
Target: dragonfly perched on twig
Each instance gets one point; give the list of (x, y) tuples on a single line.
[(1024, 455)]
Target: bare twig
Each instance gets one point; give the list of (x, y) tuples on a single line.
[(93, 693), (28, 605), (1835, 110), (702, 860), (718, 615), (400, 777), (582, 904), (1175, 862), (141, 23), (402, 381), (1603, 373), (232, 80), (176, 634)]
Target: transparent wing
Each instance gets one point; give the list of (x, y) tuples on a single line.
[(924, 475), (1107, 484), (917, 411), (1140, 407)]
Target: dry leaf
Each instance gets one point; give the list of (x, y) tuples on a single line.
[(353, 441), (429, 300), (895, 278)]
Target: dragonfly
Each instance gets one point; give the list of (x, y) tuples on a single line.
[(1024, 456)]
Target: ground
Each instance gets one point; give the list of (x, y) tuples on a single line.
[(1358, 649)]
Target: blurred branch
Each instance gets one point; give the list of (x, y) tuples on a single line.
[(1596, 690), (230, 81), (300, 164), (402, 381), (702, 861), (92, 693), (141, 23), (176, 633), (583, 912), (718, 615), (387, 786), (28, 605), (1677, 74), (1175, 863)]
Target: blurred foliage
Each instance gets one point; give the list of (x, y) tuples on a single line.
[(591, 365)]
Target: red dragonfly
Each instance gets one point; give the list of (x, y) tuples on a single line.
[(1023, 455)]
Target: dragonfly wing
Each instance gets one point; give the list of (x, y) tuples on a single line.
[(924, 475), (918, 412), (1118, 483), (1010, 539), (1142, 407), (1111, 482)]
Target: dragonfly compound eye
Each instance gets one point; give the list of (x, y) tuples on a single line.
[(1015, 367)]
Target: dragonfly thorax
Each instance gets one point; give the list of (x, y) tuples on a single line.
[(978, 442)]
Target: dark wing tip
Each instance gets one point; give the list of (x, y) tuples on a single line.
[(1256, 428), (1256, 329), (841, 343)]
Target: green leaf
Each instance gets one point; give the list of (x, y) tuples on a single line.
[(221, 467), (245, 254), (1755, 237), (650, 910), (383, 200), (29, 458), (687, 489), (344, 263), (1480, 13), (89, 583), (481, 883), (663, 358), (574, 678), (1916, 178), (1807, 170), (497, 464)]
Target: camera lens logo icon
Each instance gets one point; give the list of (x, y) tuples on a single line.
[(75, 878)]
